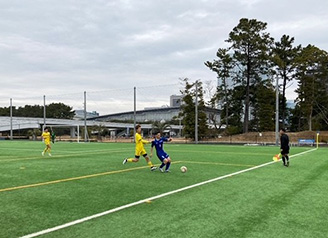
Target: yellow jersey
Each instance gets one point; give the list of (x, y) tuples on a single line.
[(140, 150), (140, 142), (46, 136)]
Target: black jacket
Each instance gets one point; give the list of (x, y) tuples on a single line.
[(284, 141)]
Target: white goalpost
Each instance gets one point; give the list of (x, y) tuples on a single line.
[(73, 135)]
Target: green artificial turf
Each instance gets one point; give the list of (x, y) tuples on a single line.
[(81, 180)]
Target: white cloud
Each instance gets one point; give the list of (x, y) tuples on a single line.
[(194, 14), (249, 3), (158, 34), (67, 47)]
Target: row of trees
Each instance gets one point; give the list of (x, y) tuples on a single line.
[(247, 70), (53, 110)]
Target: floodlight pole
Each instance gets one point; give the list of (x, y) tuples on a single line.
[(196, 114), (134, 113), (277, 112), (11, 118), (78, 134), (44, 112), (85, 117), (180, 127)]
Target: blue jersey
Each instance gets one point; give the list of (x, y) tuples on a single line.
[(161, 154)]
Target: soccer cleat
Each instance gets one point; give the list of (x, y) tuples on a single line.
[(125, 160), (161, 169), (50, 155), (42, 153), (287, 164), (167, 171), (153, 168)]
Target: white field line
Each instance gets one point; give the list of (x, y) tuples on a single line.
[(61, 154), (72, 223)]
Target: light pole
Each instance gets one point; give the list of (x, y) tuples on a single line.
[(134, 112), (196, 114), (277, 111), (11, 119), (44, 112), (85, 118), (180, 126)]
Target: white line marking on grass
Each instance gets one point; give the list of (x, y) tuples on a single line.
[(214, 163), (75, 178), (62, 155), (56, 228)]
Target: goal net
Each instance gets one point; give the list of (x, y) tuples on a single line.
[(68, 133)]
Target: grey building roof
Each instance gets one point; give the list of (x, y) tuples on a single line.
[(153, 114)]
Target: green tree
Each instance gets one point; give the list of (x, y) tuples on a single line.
[(222, 66), (311, 73), (264, 107), (250, 45), (296, 119), (53, 110), (34, 133), (97, 130), (59, 110), (236, 96), (160, 126), (283, 58), (188, 109), (29, 111), (5, 111)]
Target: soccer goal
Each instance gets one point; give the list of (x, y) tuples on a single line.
[(69, 133)]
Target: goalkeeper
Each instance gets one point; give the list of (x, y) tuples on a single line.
[(53, 137)]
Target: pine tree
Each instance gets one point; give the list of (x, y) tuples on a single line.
[(312, 84), (264, 107), (251, 45), (223, 67), (283, 58)]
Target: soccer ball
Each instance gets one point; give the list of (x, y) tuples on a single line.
[(183, 169)]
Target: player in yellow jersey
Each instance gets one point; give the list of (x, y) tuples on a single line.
[(140, 150), (47, 138)]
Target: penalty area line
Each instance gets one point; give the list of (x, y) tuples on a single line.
[(72, 223)]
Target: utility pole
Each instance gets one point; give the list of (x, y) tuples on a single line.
[(44, 112), (277, 112), (85, 117), (134, 113), (11, 118), (196, 114)]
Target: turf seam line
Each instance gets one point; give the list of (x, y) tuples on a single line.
[(72, 223)]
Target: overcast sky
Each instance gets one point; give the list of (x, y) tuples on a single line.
[(57, 47)]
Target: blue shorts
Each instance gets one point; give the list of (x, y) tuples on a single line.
[(162, 156)]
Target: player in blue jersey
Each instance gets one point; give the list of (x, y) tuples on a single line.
[(161, 154)]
